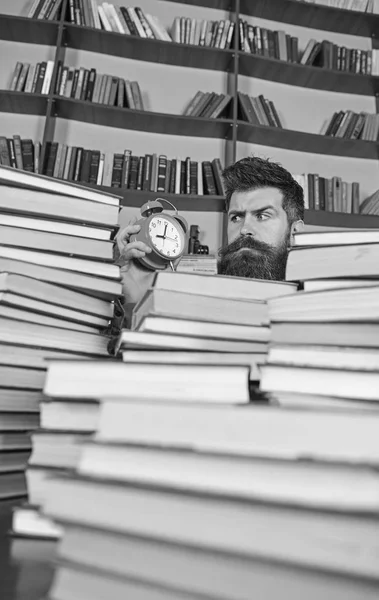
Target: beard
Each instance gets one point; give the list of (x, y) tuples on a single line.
[(248, 257)]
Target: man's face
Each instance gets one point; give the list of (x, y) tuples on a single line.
[(258, 235)]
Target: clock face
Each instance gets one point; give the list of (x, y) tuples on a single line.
[(166, 237)]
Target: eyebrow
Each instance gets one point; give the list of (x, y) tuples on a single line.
[(240, 213)]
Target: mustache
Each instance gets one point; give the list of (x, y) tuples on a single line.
[(246, 241)]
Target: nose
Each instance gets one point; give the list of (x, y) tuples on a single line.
[(247, 228)]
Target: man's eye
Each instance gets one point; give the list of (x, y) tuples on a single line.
[(262, 216), (235, 218)]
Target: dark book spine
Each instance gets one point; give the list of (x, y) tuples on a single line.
[(311, 191), (84, 84), (41, 77), (217, 170), (133, 172), (27, 151), (183, 177), (91, 85), (321, 193), (118, 161), (289, 47), (171, 187), (294, 49), (193, 177), (5, 158), (84, 175), (58, 78), (94, 166), (209, 182), (130, 23), (74, 83), (71, 169)]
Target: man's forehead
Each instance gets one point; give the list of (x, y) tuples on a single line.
[(257, 198)]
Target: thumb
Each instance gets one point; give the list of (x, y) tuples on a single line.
[(133, 220)]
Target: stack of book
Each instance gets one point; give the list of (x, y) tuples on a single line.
[(330, 194), (325, 349), (352, 126), (187, 491), (57, 293), (258, 111), (197, 318), (35, 79), (209, 105), (370, 206), (327, 55), (265, 42), (87, 84)]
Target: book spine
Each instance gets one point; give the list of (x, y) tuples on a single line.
[(18, 151), (27, 152)]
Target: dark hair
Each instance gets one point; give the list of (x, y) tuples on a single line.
[(254, 172)]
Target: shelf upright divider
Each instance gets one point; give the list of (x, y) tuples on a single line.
[(60, 51)]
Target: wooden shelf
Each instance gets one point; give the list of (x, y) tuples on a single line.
[(140, 120), (306, 142), (227, 5), (136, 48), (29, 31), (306, 76), (188, 202), (320, 218), (335, 219), (314, 16), (23, 103)]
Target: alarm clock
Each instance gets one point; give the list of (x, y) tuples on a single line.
[(165, 234)]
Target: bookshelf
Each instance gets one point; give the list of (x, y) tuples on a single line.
[(298, 147)]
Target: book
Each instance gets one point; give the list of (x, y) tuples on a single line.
[(209, 528), (29, 202), (201, 358), (349, 305), (41, 182), (122, 560), (56, 295), (204, 329), (222, 286), (99, 287), (355, 260), (91, 379), (165, 302), (159, 341), (101, 250)]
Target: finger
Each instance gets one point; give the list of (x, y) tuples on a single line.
[(136, 253), (135, 246), (123, 237)]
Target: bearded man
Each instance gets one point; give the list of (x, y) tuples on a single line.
[(265, 207)]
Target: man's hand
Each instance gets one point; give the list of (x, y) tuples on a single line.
[(135, 278)]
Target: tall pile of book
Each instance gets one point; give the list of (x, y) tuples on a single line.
[(201, 494), (57, 292), (325, 349)]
